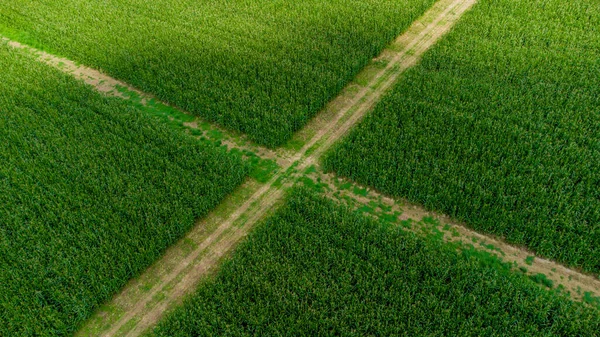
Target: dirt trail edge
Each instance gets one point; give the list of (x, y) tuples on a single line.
[(160, 288)]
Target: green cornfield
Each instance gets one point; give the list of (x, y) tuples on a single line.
[(317, 269), (262, 68), (499, 127), (92, 191), (496, 127)]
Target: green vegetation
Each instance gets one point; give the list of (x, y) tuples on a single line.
[(542, 279), (91, 192), (592, 300), (263, 68), (316, 269), (498, 127)]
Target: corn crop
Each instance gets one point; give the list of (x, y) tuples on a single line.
[(91, 193)]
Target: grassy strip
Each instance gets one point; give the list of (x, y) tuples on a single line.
[(498, 127), (92, 191), (260, 68), (316, 269)]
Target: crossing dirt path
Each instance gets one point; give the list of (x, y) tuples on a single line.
[(146, 299), (344, 113)]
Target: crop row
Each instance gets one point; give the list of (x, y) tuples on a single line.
[(498, 126), (92, 191), (316, 269)]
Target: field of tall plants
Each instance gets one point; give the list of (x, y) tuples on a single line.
[(498, 126), (92, 191), (316, 269), (262, 68)]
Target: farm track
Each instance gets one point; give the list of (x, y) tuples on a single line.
[(145, 300), (116, 88), (380, 205)]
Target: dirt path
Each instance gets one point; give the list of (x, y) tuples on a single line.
[(113, 87), (146, 299), (399, 211), (411, 46)]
